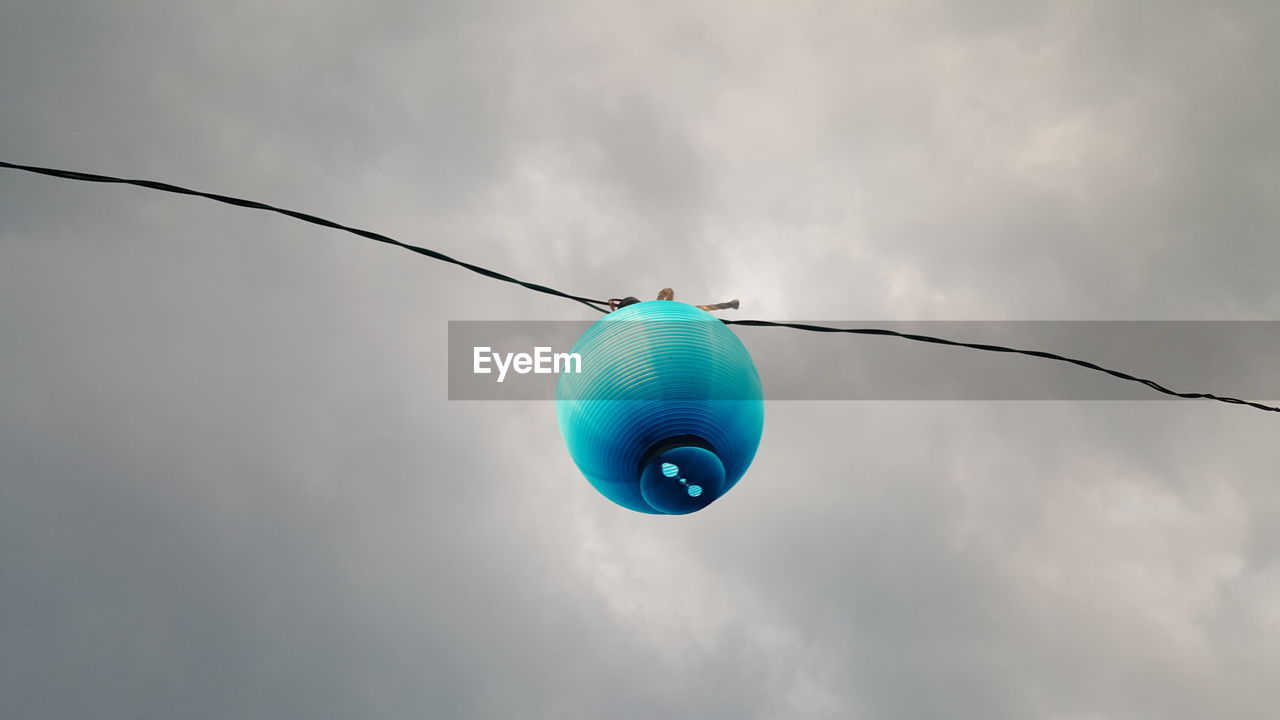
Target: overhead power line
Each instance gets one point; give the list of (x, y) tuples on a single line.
[(1002, 349), (598, 305), (601, 305)]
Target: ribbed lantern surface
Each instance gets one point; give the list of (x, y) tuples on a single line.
[(667, 411)]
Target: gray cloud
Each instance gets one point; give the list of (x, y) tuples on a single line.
[(231, 485)]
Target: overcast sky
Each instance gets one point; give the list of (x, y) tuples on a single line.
[(231, 485)]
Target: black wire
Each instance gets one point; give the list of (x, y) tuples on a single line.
[(600, 305), (1002, 349)]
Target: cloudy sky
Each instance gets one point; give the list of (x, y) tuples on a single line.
[(231, 485)]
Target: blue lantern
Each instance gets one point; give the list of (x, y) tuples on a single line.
[(667, 411)]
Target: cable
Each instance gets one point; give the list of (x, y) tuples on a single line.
[(602, 305), (598, 305), (1002, 349)]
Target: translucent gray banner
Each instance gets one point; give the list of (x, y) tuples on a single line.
[(1233, 358)]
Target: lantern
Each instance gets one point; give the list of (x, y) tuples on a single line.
[(667, 411)]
